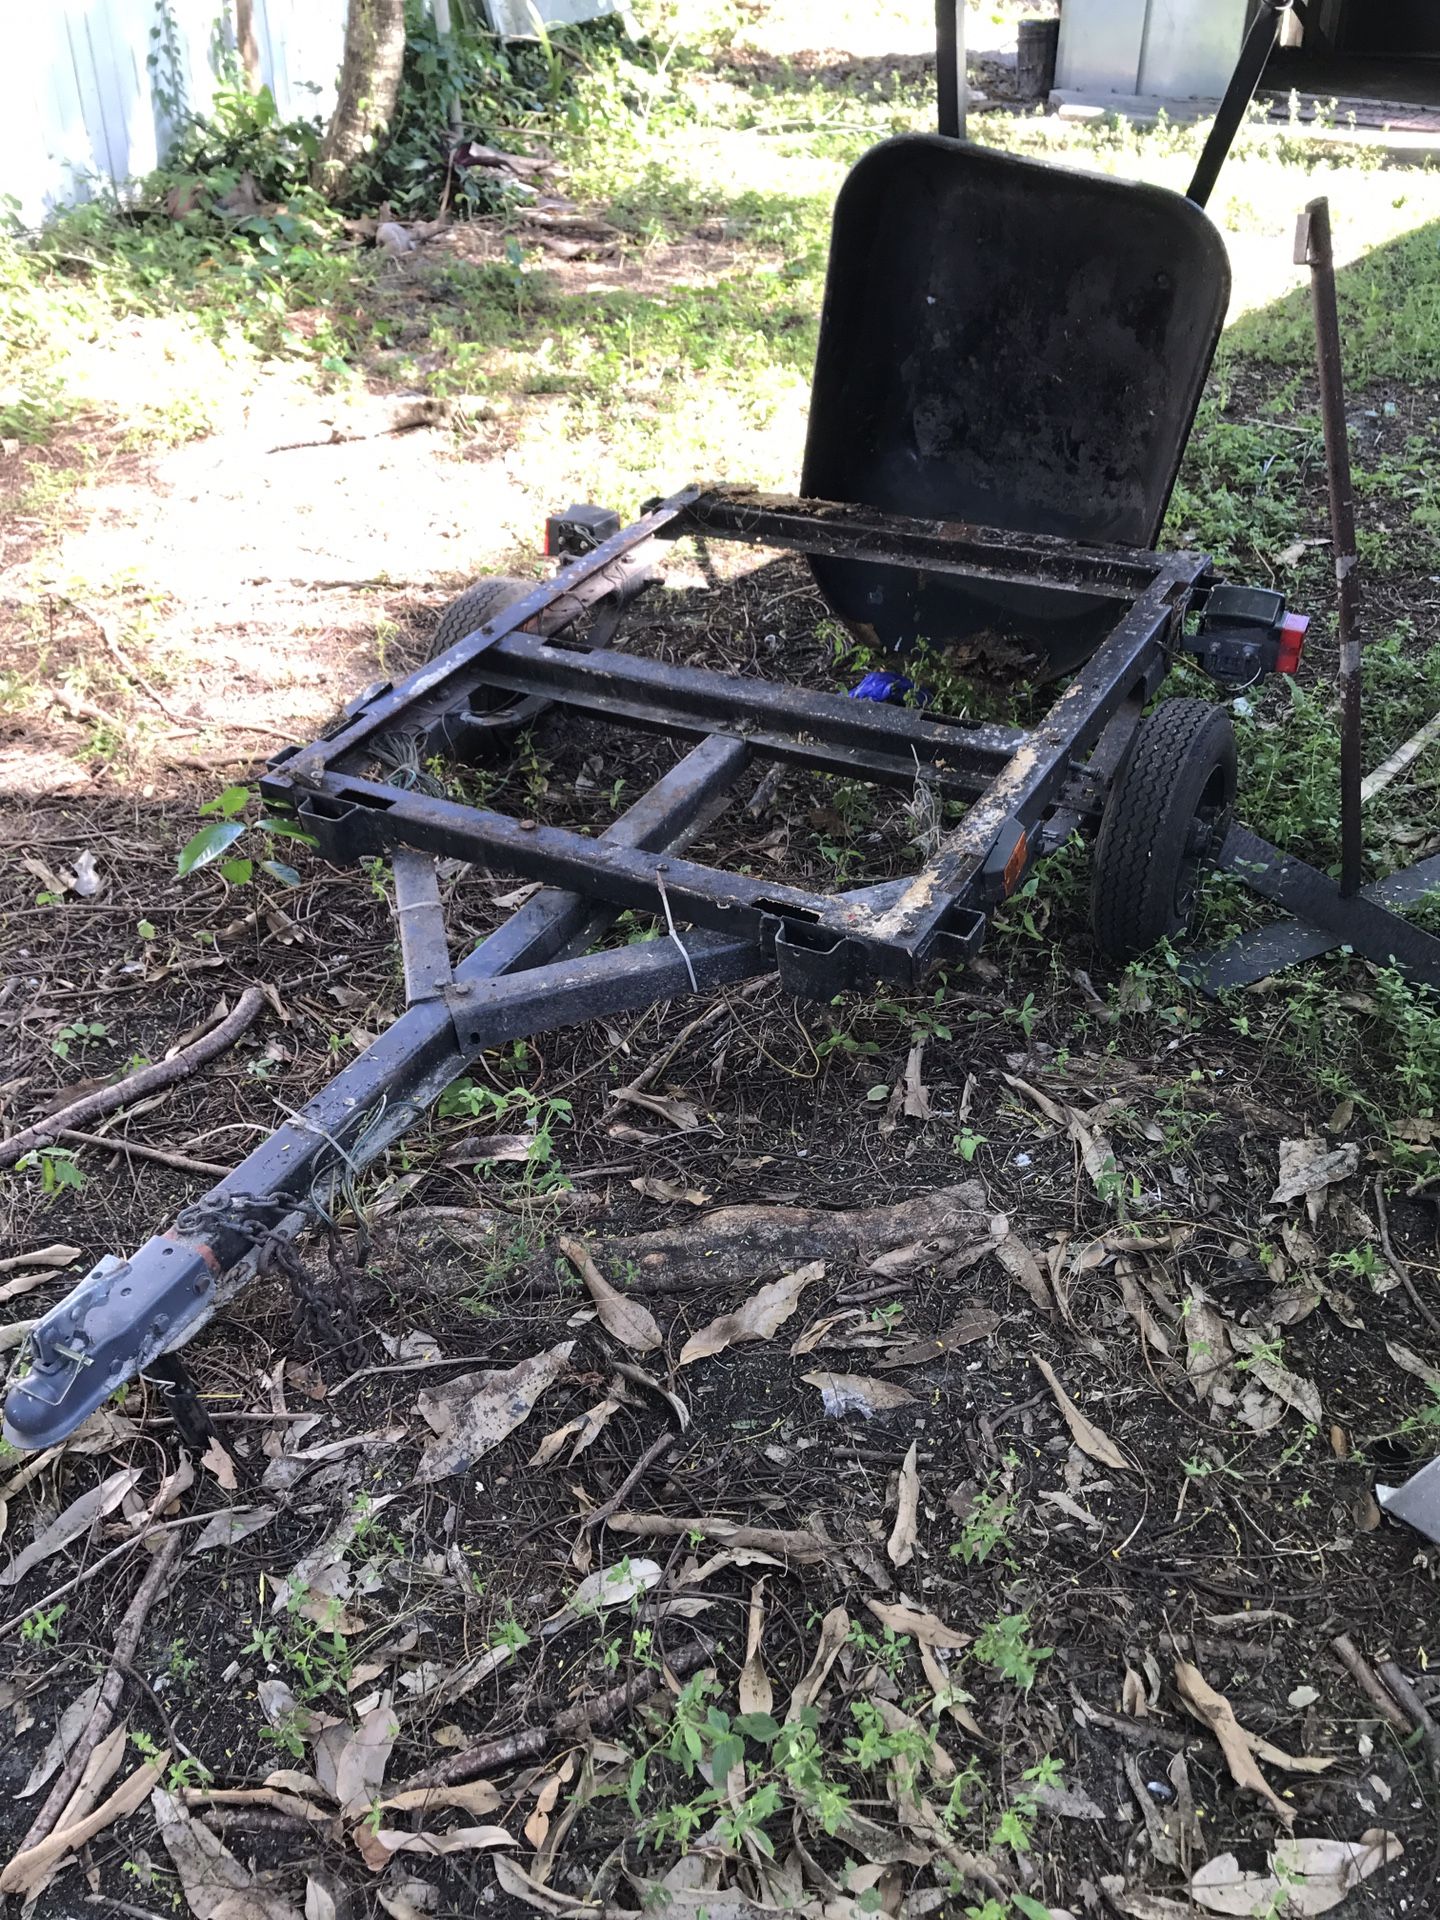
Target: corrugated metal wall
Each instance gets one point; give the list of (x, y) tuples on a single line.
[(84, 110), (1176, 49)]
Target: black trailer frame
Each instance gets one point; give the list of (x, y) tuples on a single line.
[(1028, 791)]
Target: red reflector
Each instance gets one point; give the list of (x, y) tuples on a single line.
[(1293, 629)]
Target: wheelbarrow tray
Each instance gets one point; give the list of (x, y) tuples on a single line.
[(1012, 345)]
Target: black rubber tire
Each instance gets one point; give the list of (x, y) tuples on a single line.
[(472, 609), (1165, 820)]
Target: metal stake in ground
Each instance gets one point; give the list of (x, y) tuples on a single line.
[(950, 67), (1313, 248)]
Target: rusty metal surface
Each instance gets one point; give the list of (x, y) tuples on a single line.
[(1313, 248), (853, 531)]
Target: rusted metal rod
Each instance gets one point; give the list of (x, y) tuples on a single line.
[(1313, 248), (950, 67)]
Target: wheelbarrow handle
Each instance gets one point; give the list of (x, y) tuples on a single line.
[(1259, 44)]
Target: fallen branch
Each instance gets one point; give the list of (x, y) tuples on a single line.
[(587, 1716), (786, 1543), (127, 1640), (1359, 1670), (1415, 1707), (736, 1244), (162, 1073)]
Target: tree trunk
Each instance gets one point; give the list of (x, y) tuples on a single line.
[(369, 84), (246, 44)]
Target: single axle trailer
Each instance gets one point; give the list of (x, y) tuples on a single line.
[(1009, 363)]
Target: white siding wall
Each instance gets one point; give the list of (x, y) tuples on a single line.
[(83, 117)]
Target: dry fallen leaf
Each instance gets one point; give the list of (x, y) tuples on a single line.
[(474, 1797), (538, 1824), (977, 1323), (1306, 1876), (231, 1524), (1412, 1363), (950, 1696), (928, 1628), (654, 1188), (606, 1587), (1214, 1711), (78, 1518), (585, 1429), (1086, 1435), (901, 1544), (1309, 1166), (754, 1691), (632, 1324), (350, 1762), (27, 1873), (845, 1393), (379, 1847), (68, 1729), (471, 1415), (55, 1255), (1293, 1388), (217, 1461), (758, 1318), (1208, 1350), (834, 1630), (215, 1884), (917, 1095), (1024, 1269)]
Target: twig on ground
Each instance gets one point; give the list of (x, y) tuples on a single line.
[(127, 1640), (1360, 1671), (162, 1073), (1397, 1265), (1415, 1707), (632, 1479), (649, 1074), (122, 659), (113, 1905), (134, 1151), (1140, 1733), (587, 1716)]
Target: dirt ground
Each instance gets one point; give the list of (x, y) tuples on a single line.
[(1235, 1529), (1000, 1571)]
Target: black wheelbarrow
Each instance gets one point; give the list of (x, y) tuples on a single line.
[(1010, 360)]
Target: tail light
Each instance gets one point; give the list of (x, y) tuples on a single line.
[(1293, 629)]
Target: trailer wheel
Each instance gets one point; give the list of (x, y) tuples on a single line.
[(1165, 821), (472, 609)]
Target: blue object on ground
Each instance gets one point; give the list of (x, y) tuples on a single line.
[(889, 688)]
